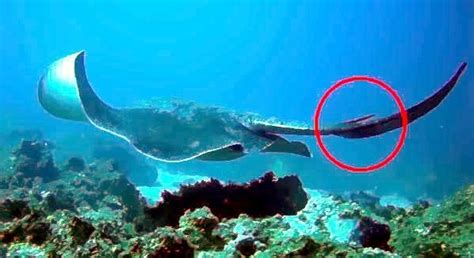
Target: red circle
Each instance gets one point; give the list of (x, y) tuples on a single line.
[(401, 140)]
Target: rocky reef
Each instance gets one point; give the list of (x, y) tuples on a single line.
[(260, 198), (445, 230), (33, 159), (91, 209)]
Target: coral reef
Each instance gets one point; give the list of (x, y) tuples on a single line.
[(76, 164), (9, 139), (127, 196), (200, 228), (79, 203), (246, 246), (444, 230), (13, 209), (172, 246), (32, 228), (85, 209), (80, 230), (370, 233), (373, 203), (263, 197), (34, 159)]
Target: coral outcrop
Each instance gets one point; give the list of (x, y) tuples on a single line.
[(32, 228), (370, 233), (172, 246), (200, 227), (76, 164), (80, 230), (260, 198), (13, 209), (34, 159)]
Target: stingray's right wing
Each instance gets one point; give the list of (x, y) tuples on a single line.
[(369, 126)]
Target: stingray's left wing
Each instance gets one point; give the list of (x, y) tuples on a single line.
[(369, 126), (171, 135)]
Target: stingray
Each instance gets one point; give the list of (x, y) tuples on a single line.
[(177, 131)]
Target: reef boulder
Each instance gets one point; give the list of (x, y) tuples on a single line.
[(34, 159), (259, 198), (370, 233)]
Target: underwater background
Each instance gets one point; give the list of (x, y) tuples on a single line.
[(70, 190), (274, 58)]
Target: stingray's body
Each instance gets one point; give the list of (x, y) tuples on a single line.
[(180, 131)]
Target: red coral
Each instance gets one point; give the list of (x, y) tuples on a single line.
[(263, 197)]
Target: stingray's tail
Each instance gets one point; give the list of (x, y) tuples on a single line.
[(368, 126)]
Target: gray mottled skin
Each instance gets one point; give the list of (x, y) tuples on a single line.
[(184, 131)]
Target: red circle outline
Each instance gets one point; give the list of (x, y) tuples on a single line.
[(401, 139)]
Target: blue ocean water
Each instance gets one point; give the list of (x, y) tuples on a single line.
[(275, 58)]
